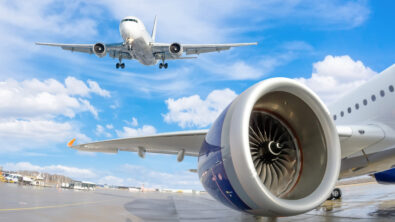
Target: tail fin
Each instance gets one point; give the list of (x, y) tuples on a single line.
[(154, 30)]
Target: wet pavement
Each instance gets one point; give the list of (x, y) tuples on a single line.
[(363, 202)]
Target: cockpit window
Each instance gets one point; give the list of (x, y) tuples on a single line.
[(129, 20)]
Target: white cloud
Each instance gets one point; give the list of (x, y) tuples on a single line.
[(337, 75), (95, 88), (34, 98), (101, 131), (40, 130), (30, 111), (109, 126), (76, 87), (170, 81), (192, 111), (254, 67), (134, 122), (23, 23), (72, 172), (177, 20), (145, 130), (183, 21), (319, 14), (17, 134), (50, 16)]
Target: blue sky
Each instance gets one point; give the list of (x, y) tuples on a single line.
[(50, 96)]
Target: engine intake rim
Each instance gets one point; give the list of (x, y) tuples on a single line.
[(99, 48)]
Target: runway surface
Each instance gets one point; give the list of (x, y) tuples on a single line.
[(366, 202)]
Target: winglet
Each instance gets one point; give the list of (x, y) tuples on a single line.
[(70, 144), (154, 31)]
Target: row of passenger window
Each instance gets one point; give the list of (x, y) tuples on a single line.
[(365, 102)]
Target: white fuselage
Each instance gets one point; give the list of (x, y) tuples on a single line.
[(370, 111), (137, 39)]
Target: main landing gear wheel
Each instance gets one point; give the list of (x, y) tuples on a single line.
[(335, 195), (163, 65), (120, 65)]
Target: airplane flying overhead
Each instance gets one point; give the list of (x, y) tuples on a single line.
[(277, 150), (138, 44)]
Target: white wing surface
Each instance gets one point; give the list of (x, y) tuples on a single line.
[(114, 50), (168, 143), (195, 49)]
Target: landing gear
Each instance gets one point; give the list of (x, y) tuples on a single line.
[(335, 195), (163, 65), (120, 64)]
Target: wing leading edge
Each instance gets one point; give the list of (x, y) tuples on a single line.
[(188, 142)]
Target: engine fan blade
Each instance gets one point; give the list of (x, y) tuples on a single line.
[(274, 152)]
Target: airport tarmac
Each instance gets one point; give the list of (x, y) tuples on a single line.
[(364, 202)]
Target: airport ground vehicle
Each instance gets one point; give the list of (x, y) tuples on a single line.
[(13, 178), (2, 178)]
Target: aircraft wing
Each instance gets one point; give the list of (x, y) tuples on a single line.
[(196, 49), (113, 49), (191, 141), (168, 143)]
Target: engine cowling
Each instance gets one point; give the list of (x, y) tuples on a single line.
[(176, 49), (274, 151), (385, 177), (99, 49)]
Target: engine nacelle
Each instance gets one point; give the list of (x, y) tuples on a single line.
[(385, 177), (274, 151), (176, 49), (99, 49)]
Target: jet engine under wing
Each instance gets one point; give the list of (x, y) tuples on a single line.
[(191, 49), (168, 143)]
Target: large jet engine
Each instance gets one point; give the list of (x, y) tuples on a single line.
[(274, 151), (176, 49), (99, 49)]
